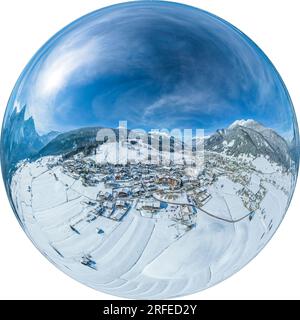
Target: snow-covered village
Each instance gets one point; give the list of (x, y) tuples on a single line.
[(120, 223)]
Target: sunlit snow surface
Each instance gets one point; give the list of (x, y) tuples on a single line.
[(137, 229)]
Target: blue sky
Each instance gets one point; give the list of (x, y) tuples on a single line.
[(156, 65)]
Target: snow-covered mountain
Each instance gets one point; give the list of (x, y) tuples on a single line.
[(243, 137), (21, 140), (249, 123), (248, 137), (85, 140)]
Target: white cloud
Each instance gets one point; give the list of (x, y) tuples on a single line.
[(59, 67)]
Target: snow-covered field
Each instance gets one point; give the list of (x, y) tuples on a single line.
[(148, 257)]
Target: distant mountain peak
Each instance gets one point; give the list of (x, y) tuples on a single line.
[(20, 138), (249, 137), (249, 123)]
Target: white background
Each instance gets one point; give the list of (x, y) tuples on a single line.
[(26, 25)]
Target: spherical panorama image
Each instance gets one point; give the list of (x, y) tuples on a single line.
[(149, 150)]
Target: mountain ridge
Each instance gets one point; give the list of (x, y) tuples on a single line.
[(21, 140), (250, 138), (242, 137)]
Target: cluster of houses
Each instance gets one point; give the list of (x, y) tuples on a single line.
[(153, 189), (201, 196), (123, 187), (84, 169), (240, 173), (250, 199)]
